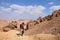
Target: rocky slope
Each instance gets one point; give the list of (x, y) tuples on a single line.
[(47, 25)]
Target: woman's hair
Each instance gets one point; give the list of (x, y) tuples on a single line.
[(22, 22)]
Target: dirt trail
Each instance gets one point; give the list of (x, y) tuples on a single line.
[(11, 35)]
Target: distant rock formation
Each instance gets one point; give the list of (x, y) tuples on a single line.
[(49, 17), (12, 25), (15, 24)]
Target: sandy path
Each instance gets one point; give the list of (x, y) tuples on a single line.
[(11, 35)]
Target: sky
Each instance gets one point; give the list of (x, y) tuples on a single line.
[(27, 9)]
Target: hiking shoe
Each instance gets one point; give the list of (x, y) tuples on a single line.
[(20, 36)]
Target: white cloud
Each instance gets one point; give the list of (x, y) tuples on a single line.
[(18, 11), (5, 10), (51, 3), (22, 9), (53, 8), (28, 9)]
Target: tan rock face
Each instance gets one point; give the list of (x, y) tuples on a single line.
[(40, 19), (49, 25), (56, 13), (47, 18)]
